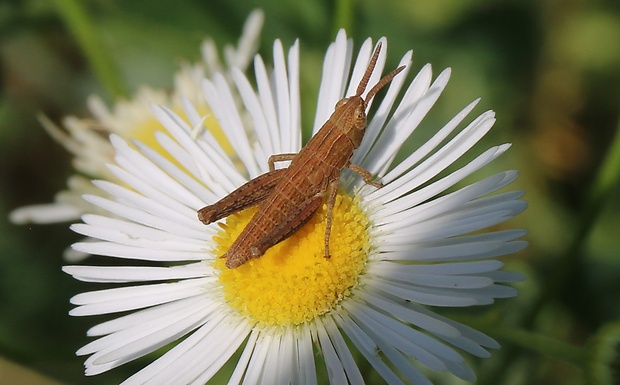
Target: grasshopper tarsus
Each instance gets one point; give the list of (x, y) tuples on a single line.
[(288, 197), (365, 174)]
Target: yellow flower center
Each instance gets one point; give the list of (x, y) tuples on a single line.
[(293, 282)]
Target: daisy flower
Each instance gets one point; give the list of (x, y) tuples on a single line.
[(396, 252), (87, 139)]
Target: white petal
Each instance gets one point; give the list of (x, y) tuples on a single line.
[(139, 317), (129, 252), (469, 340), (249, 40), (129, 344), (440, 280), (397, 131), (407, 314), (423, 348), (369, 349), (157, 205), (285, 360), (344, 354), (380, 116), (130, 238), (282, 97), (145, 177), (44, 213), (410, 213), (452, 268), (199, 356), (120, 274), (264, 135), (205, 159), (242, 363), (267, 100), (156, 221), (220, 98), (135, 297), (430, 144), (334, 77), (453, 249), (425, 296), (198, 190), (438, 162), (450, 225), (204, 361), (270, 370), (257, 362), (203, 164), (335, 371), (139, 231), (294, 143), (306, 368)]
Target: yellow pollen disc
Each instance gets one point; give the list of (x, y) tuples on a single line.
[(293, 282)]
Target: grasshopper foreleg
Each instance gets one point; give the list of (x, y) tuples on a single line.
[(365, 174), (331, 201)]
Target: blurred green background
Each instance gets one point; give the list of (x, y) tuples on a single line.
[(549, 68)]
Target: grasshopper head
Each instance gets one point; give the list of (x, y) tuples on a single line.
[(353, 111), (353, 108)]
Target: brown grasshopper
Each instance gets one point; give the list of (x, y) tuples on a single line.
[(288, 197)]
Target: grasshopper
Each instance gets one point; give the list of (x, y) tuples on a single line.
[(288, 197)]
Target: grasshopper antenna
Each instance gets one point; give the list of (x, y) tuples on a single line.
[(371, 66), (385, 80)]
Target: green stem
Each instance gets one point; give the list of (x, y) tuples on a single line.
[(80, 25), (344, 16), (606, 181), (571, 269)]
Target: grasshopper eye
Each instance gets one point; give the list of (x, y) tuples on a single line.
[(360, 114)]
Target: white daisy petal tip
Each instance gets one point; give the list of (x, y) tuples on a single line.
[(117, 142)]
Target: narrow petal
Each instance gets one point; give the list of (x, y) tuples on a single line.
[(336, 66), (200, 355), (135, 297), (44, 213), (381, 115), (121, 274), (344, 354), (370, 350), (380, 157)]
